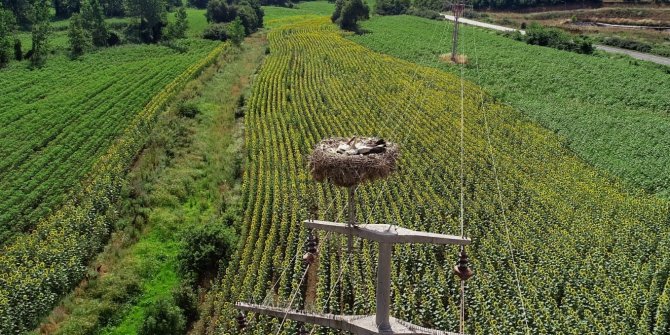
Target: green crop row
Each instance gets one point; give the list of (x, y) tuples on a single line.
[(573, 254), (36, 269), (612, 111), (58, 120)]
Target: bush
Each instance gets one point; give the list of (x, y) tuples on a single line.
[(208, 247), (188, 109), (186, 299), (18, 52), (626, 44), (113, 38), (163, 318), (555, 38), (216, 32), (235, 31)]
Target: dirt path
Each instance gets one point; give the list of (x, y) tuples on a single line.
[(631, 53)]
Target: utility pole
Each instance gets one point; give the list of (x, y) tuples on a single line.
[(382, 323), (457, 9)]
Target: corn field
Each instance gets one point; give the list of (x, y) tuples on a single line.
[(559, 247)]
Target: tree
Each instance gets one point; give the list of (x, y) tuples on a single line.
[(41, 29), (151, 17), (6, 27), (18, 50), (113, 7), (93, 21), (236, 31), (251, 15), (349, 12), (219, 11), (79, 39), (65, 8), (202, 4), (180, 26), (21, 10)]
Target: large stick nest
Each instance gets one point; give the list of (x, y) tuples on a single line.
[(351, 161)]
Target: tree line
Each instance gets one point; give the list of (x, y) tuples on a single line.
[(148, 23)]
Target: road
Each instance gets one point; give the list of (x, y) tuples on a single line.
[(631, 53), (635, 54)]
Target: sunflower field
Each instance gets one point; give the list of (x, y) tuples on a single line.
[(558, 246)]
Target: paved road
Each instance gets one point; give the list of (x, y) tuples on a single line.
[(631, 53), (481, 24), (635, 54)]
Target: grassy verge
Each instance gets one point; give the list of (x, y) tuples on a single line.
[(188, 176), (612, 111)]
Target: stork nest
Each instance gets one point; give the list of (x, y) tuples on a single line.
[(348, 162)]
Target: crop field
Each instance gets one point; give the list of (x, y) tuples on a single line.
[(80, 137), (608, 110), (560, 248), (57, 121)]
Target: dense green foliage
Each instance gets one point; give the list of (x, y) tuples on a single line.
[(250, 15), (207, 248), (79, 41), (611, 111), (163, 318), (391, 7), (94, 22), (179, 27), (590, 257), (519, 4), (627, 44), (41, 29), (6, 26), (151, 18), (348, 12), (554, 38), (39, 267), (176, 184)]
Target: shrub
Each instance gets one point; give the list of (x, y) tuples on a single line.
[(555, 38), (18, 52), (207, 248), (188, 109), (216, 32), (113, 38), (236, 31), (187, 300), (626, 44), (163, 318)]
